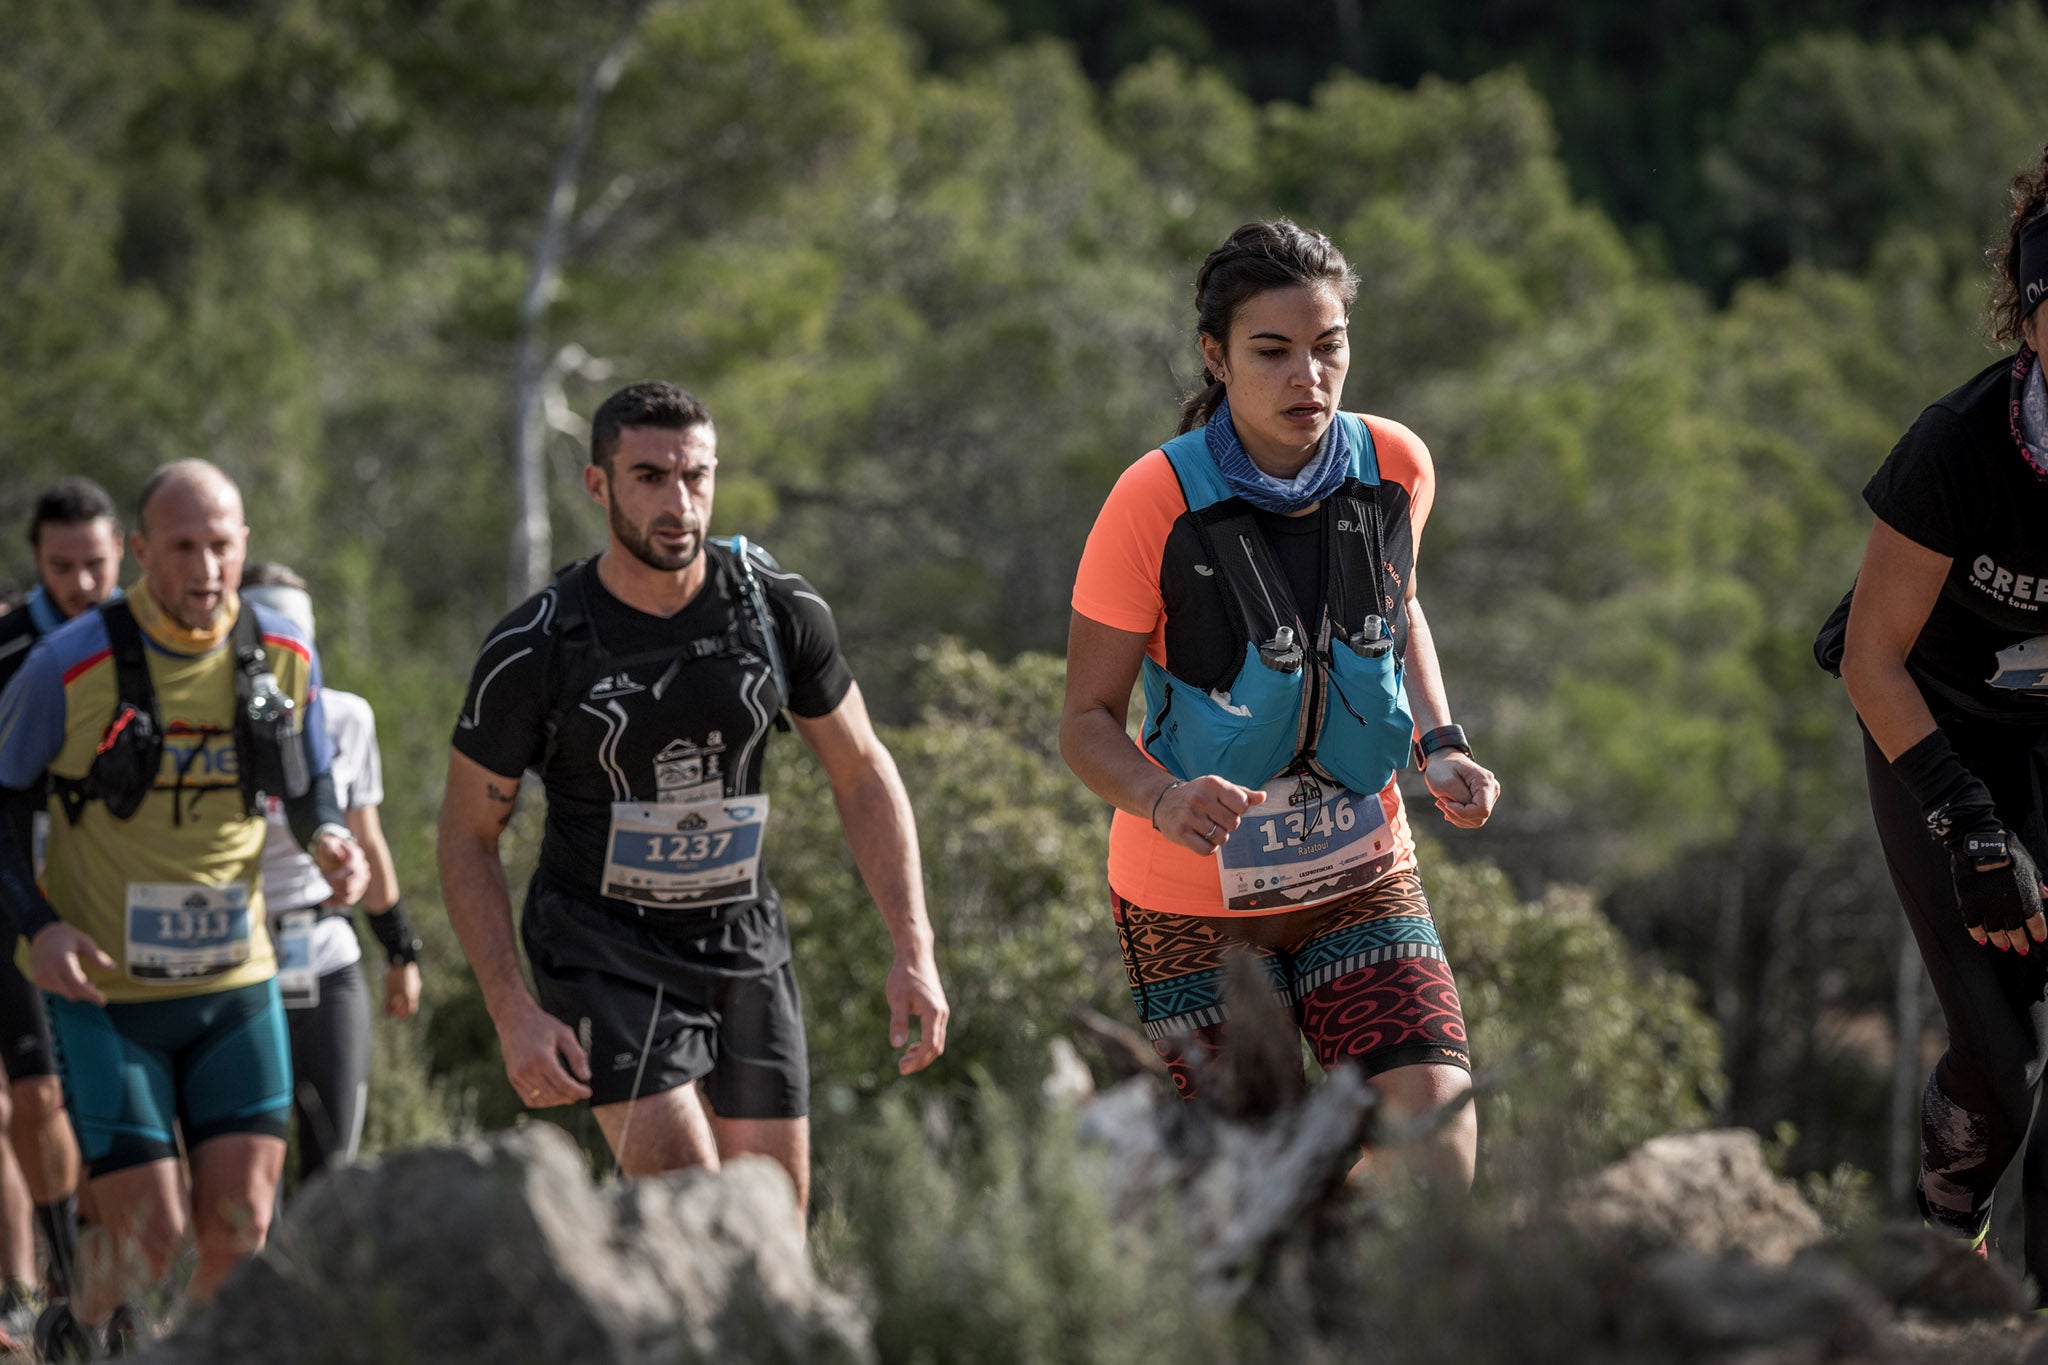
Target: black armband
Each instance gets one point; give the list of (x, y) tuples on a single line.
[(319, 806), (24, 910), (395, 933), (1953, 800)]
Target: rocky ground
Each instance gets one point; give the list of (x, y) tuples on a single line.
[(1691, 1251)]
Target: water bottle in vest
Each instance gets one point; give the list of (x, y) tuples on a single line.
[(277, 755)]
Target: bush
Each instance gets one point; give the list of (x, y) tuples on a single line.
[(988, 1241), (1013, 859), (1583, 1046)]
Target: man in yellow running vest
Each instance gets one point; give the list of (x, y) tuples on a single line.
[(162, 722)]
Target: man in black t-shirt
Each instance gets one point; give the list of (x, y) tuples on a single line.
[(641, 686)]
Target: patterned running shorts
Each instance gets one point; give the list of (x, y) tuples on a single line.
[(1365, 978)]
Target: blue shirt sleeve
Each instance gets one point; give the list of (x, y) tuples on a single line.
[(31, 719)]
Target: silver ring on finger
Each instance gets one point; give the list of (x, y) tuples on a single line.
[(1211, 835)]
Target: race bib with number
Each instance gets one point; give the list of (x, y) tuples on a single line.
[(180, 930), (1309, 842), (689, 857), (297, 982)]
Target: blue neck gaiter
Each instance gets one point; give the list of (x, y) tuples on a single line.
[(1319, 478)]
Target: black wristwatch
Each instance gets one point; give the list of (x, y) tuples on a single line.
[(1434, 741)]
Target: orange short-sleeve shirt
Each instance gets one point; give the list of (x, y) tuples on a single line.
[(1118, 585)]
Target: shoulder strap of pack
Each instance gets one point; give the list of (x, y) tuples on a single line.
[(132, 687), (570, 642), (756, 597), (1358, 590), (131, 660), (1203, 487), (1365, 456), (1201, 482), (18, 634), (572, 602), (245, 637)]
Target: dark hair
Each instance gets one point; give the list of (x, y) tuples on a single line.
[(2008, 308), (1255, 258), (649, 403), (70, 502), (268, 574)]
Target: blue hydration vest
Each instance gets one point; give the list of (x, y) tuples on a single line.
[(1323, 698)]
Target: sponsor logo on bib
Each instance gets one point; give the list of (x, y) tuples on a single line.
[(687, 770)]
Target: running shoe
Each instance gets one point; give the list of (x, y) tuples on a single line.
[(20, 1305), (124, 1333), (59, 1337)]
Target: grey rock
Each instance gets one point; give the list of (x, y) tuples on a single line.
[(1921, 1271), (504, 1249), (1710, 1193), (1727, 1308)]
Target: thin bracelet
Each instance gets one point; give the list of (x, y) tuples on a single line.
[(1161, 797)]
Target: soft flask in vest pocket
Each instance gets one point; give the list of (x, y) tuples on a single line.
[(1249, 740), (273, 742), (125, 768), (1367, 729)]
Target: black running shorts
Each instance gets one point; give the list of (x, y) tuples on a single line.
[(705, 996), (24, 1028)]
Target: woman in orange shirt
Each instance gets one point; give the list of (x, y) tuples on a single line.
[(1258, 572)]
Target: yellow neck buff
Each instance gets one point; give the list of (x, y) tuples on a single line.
[(165, 630)]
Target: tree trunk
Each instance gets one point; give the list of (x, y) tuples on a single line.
[(1727, 980), (1351, 33), (532, 550)]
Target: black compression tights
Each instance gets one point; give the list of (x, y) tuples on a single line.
[(331, 1070), (1981, 1097)]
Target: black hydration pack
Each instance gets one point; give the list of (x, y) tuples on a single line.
[(1832, 641), (579, 658), (270, 754)]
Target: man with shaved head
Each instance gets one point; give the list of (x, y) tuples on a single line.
[(160, 724)]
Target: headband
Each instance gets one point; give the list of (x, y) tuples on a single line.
[(2033, 264)]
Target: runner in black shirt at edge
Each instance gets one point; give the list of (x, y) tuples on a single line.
[(1943, 659), (640, 689)]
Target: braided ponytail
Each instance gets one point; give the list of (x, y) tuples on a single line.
[(1255, 258)]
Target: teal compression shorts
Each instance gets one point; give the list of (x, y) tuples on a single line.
[(211, 1064)]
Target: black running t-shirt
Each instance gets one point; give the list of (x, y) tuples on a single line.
[(666, 710), (1957, 484), (1302, 549)]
